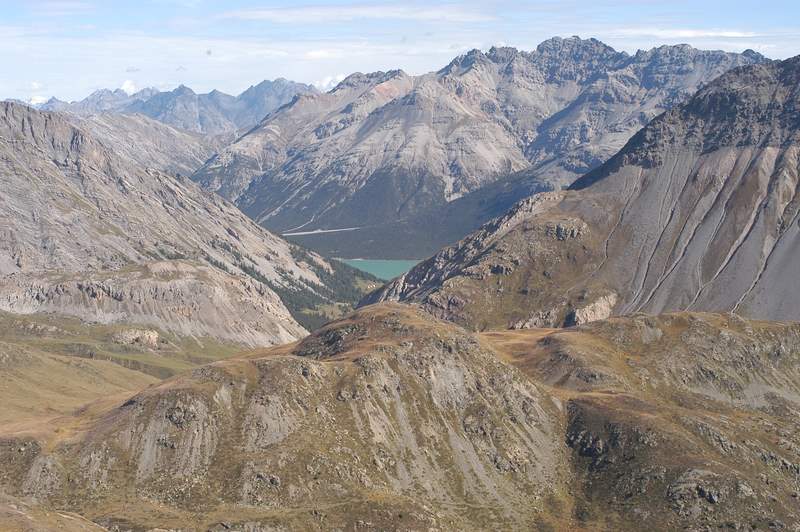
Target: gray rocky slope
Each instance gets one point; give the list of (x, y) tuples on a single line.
[(87, 231), (214, 113), (148, 142), (699, 211), (387, 147)]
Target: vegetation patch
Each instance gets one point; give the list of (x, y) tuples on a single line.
[(313, 305)]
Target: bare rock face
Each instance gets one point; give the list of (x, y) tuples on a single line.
[(149, 143), (699, 211), (88, 232), (387, 147), (391, 417), (599, 309), (145, 338)]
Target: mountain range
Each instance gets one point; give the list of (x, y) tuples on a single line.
[(613, 355), (214, 113), (699, 211), (380, 152), (89, 232)]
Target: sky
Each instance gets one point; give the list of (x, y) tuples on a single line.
[(69, 48)]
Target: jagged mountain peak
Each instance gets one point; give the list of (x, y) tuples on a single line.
[(755, 105), (686, 52), (274, 93), (557, 57), (359, 79), (183, 89), (699, 211), (277, 82), (558, 44), (575, 59), (374, 152), (502, 54), (464, 62), (215, 112), (577, 49)]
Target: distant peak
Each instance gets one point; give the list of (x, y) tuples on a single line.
[(502, 54), (397, 73), (464, 62), (183, 89), (683, 52), (752, 54), (372, 78), (560, 44), (146, 93)]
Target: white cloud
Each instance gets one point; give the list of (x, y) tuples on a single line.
[(128, 86), (36, 86), (678, 33), (346, 13), (87, 61), (329, 82), (37, 100)]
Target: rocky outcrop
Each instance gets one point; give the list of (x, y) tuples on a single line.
[(698, 211), (141, 337), (384, 150), (599, 309), (88, 232)]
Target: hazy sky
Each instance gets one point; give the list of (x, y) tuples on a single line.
[(70, 48)]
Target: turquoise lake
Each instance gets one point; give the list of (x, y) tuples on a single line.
[(382, 269)]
